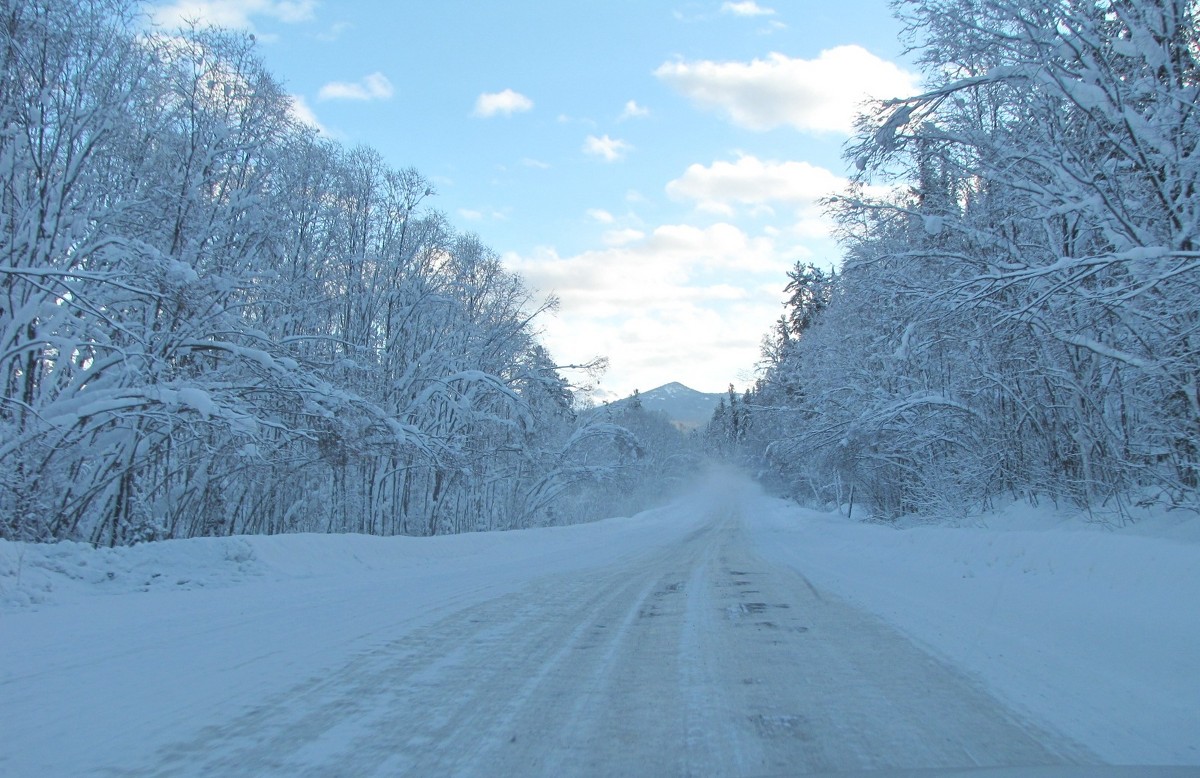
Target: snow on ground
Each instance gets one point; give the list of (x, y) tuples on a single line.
[(67, 572), (1088, 626), (108, 652)]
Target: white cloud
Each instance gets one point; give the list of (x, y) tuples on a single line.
[(470, 214), (746, 8), (601, 215), (303, 113), (507, 103), (755, 184), (752, 181), (232, 14), (677, 304), (634, 111), (821, 95), (534, 163), (716, 208), (812, 223), (373, 86), (622, 237), (647, 271), (612, 149)]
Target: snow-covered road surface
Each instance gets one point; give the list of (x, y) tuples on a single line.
[(696, 659), (687, 657), (665, 644)]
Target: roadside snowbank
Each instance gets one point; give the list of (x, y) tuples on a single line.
[(1091, 629), (46, 574), (108, 654)]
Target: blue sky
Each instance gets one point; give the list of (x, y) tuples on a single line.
[(655, 165)]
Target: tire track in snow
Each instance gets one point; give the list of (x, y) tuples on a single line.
[(696, 659), (710, 739)]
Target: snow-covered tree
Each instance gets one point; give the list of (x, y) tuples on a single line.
[(1017, 313), (212, 321)]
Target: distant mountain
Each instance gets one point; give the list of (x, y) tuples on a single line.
[(684, 406)]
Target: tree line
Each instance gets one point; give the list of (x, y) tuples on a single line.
[(214, 321), (1017, 313)]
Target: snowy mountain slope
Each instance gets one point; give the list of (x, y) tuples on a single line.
[(684, 406), (727, 629)]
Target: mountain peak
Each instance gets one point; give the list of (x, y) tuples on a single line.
[(686, 407), (672, 388)]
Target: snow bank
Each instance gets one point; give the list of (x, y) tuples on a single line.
[(46, 574), (107, 655), (1091, 629), (36, 574)]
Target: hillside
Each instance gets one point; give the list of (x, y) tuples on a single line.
[(685, 407)]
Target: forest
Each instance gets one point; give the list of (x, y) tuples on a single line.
[(214, 321), (1016, 313)]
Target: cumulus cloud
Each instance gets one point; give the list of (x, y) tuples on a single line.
[(746, 8), (753, 181), (820, 95), (232, 14), (601, 215), (373, 86), (506, 103), (756, 185), (610, 281), (611, 149), (622, 237), (634, 111), (671, 305)]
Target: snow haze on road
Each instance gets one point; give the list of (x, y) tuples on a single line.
[(725, 633)]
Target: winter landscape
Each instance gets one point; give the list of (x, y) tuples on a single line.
[(299, 478)]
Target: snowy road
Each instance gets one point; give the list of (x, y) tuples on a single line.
[(665, 647), (694, 660)]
